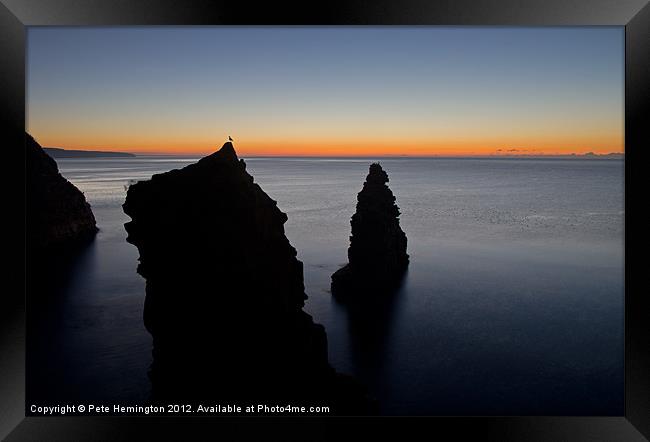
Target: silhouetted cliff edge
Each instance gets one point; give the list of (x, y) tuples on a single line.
[(224, 291), (377, 253), (57, 213)]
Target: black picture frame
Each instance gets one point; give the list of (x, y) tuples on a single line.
[(16, 15)]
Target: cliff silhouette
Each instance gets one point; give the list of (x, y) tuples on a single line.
[(225, 293), (57, 213), (377, 253)]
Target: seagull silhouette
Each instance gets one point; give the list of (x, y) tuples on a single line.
[(229, 138)]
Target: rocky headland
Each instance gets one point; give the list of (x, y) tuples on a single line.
[(57, 213), (377, 253), (225, 293)]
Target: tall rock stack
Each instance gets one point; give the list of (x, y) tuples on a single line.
[(225, 292), (57, 214), (377, 253)]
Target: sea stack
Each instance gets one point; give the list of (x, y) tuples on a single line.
[(225, 293), (57, 213), (377, 253)]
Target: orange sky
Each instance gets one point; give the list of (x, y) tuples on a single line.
[(461, 146), (367, 91)]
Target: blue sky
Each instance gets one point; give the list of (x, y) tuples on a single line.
[(323, 89)]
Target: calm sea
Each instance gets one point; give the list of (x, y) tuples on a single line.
[(513, 302)]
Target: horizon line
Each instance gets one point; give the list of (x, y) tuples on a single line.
[(471, 155), (499, 153)]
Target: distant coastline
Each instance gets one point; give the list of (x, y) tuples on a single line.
[(612, 155), (57, 152)]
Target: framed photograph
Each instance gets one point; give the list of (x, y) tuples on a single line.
[(420, 216)]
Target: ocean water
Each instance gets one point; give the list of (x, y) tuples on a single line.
[(513, 301)]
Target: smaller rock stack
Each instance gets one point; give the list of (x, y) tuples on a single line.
[(377, 254)]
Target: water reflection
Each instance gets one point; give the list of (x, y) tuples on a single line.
[(370, 324), (51, 281)]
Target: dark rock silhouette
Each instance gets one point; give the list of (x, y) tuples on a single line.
[(225, 292), (377, 253), (57, 213)]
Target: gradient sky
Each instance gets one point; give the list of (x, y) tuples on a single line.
[(328, 90)]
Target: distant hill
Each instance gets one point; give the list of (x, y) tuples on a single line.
[(516, 153), (56, 152), (604, 155)]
